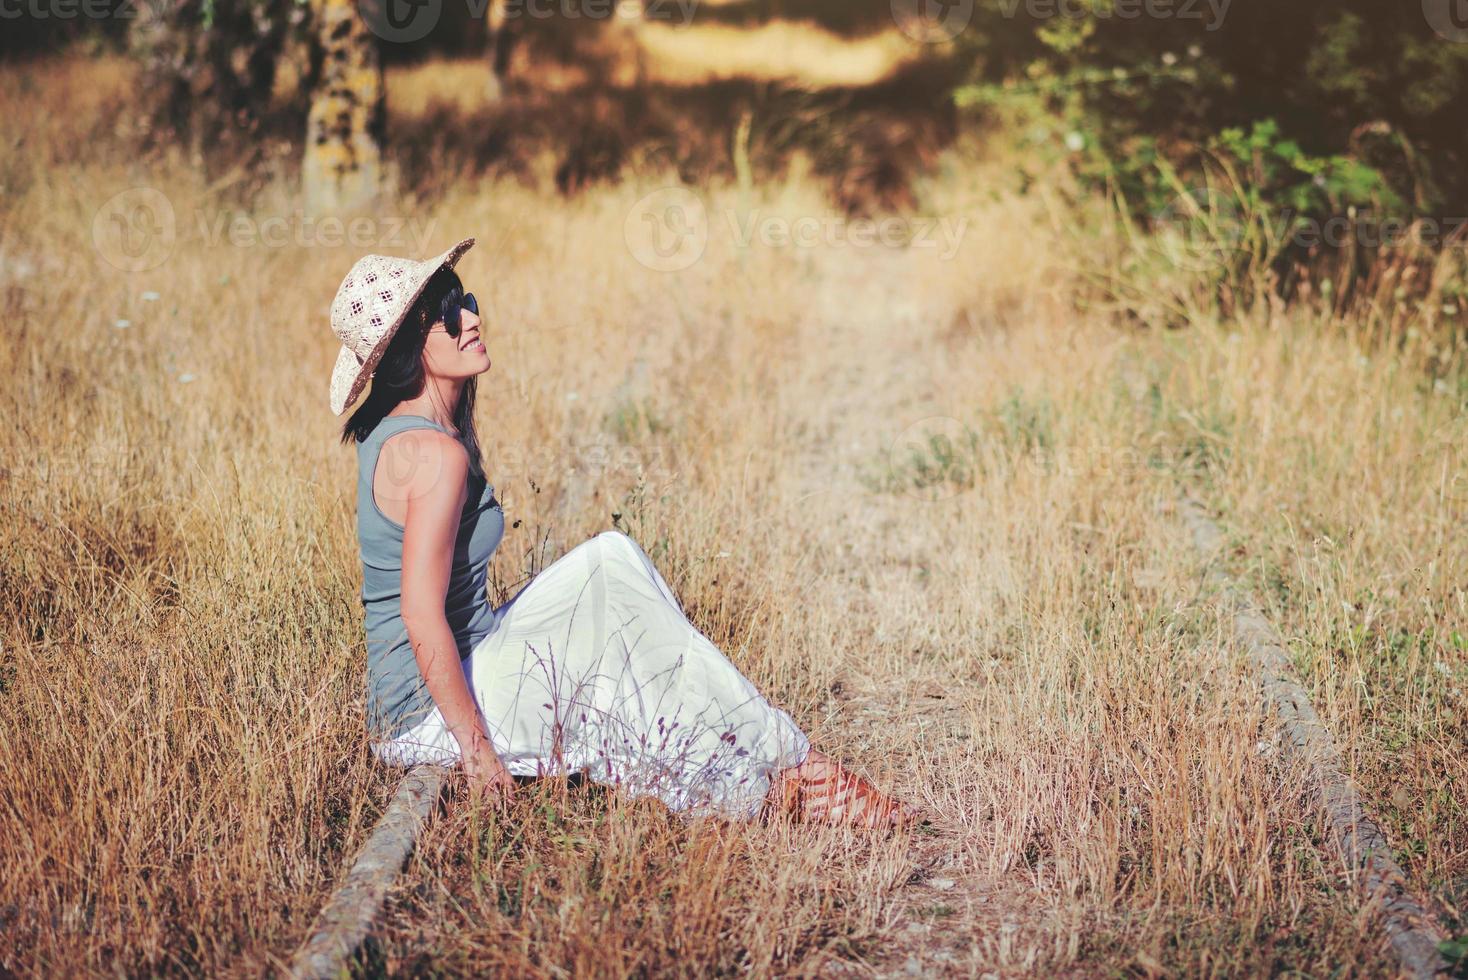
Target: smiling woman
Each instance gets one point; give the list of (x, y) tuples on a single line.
[(592, 666)]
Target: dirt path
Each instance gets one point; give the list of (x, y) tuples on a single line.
[(953, 913)]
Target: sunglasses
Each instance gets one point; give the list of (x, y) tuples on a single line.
[(451, 321)]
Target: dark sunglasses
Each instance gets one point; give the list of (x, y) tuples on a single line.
[(451, 321)]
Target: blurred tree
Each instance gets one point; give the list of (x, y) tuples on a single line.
[(209, 67), (501, 45), (342, 169)]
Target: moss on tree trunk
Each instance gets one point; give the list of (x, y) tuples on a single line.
[(342, 170)]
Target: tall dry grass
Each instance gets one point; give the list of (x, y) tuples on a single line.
[(923, 503)]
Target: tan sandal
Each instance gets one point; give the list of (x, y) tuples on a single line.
[(836, 796)]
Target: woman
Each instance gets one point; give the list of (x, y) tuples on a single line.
[(592, 666)]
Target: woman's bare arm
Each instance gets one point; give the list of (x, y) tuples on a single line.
[(436, 469)]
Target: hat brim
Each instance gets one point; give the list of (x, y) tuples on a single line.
[(348, 378), (349, 375)]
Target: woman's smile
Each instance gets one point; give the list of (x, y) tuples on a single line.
[(473, 344)]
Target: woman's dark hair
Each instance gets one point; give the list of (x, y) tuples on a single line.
[(399, 375)]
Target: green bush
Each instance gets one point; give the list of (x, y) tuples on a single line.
[(1290, 129)]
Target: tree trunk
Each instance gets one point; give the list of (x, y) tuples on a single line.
[(208, 75), (500, 45), (342, 171)]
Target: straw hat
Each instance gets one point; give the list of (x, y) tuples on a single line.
[(369, 307)]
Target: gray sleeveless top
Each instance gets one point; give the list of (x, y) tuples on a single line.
[(397, 696)]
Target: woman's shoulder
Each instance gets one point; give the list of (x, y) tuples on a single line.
[(419, 462), (416, 448)]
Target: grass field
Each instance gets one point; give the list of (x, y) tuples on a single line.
[(924, 500)]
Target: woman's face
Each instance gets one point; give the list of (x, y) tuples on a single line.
[(458, 357)]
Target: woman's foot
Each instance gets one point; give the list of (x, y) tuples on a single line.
[(821, 790)]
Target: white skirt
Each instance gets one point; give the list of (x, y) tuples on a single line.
[(594, 667)]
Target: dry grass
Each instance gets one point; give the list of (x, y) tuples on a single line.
[(1011, 632)]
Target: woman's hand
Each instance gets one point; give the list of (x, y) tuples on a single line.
[(486, 772)]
